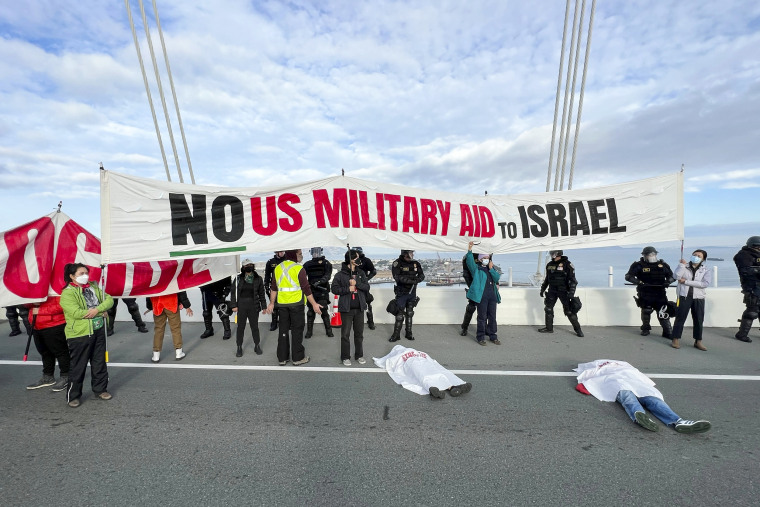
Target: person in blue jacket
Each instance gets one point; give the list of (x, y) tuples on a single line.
[(484, 290)]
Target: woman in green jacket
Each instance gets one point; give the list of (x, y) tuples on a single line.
[(84, 305), (484, 291)]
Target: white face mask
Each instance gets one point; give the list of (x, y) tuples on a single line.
[(485, 261), (652, 258), (695, 260), (82, 279)]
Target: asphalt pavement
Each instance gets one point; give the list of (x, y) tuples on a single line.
[(214, 429)]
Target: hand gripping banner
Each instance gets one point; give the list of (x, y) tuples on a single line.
[(149, 220)]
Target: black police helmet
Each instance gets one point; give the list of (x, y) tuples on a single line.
[(404, 252), (556, 253), (649, 250), (754, 242)]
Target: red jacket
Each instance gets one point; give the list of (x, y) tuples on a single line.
[(50, 313)]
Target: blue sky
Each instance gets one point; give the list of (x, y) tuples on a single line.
[(454, 95)]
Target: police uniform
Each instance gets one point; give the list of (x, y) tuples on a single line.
[(134, 311), (407, 275), (319, 271), (14, 314), (651, 280), (366, 265), (214, 294), (747, 261), (559, 283), (268, 272), (469, 310)]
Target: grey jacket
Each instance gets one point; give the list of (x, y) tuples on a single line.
[(700, 279)]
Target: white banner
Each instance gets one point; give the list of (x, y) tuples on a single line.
[(33, 257), (146, 220)]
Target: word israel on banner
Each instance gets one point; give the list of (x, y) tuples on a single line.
[(146, 220), (33, 257)]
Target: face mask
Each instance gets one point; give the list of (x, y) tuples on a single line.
[(248, 269), (485, 261), (652, 258), (695, 260), (82, 279)]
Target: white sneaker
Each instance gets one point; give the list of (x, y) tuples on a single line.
[(156, 357), (346, 362), (179, 354), (361, 360)]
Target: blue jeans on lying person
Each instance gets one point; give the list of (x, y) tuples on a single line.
[(656, 406)]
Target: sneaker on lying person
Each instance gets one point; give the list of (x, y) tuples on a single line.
[(687, 426)]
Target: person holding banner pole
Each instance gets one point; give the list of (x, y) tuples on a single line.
[(289, 289), (351, 286), (272, 263), (84, 306), (484, 291), (693, 278), (49, 331), (407, 273)]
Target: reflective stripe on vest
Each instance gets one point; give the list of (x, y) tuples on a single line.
[(288, 289)]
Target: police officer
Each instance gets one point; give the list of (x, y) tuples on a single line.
[(747, 261), (652, 276), (272, 263), (318, 271), (561, 283), (469, 310), (134, 311), (407, 273), (366, 265), (14, 314), (214, 295)]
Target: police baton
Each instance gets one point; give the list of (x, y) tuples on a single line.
[(31, 330)]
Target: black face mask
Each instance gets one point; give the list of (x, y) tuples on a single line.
[(248, 270)]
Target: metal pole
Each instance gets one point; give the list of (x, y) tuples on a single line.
[(715, 276), (510, 276), (609, 280)]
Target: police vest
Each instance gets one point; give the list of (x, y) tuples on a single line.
[(288, 289), (652, 273), (557, 273)]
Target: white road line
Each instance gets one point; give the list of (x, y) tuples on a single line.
[(344, 369)]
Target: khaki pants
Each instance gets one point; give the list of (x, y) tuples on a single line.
[(159, 325)]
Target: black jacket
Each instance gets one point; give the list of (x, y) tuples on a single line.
[(407, 275), (258, 290), (366, 265), (340, 287), (560, 276), (650, 278)]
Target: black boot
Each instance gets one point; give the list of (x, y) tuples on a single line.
[(239, 352), (309, 330), (15, 326), (109, 325), (397, 325), (468, 313), (645, 327), (576, 325), (549, 327), (370, 318), (744, 328), (226, 325), (328, 328), (209, 328), (409, 335), (141, 327), (667, 328)]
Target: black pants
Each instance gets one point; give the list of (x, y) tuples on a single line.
[(487, 316), (352, 319), (51, 344), (86, 349), (697, 307), (248, 310), (292, 321)]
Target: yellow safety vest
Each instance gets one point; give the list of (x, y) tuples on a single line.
[(288, 289)]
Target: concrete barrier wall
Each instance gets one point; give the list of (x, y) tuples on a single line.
[(523, 306)]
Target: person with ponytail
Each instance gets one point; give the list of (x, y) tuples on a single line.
[(693, 278), (84, 306)]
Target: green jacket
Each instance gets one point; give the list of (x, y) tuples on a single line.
[(479, 276), (75, 307)]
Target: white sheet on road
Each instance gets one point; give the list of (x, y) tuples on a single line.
[(604, 378), (416, 371)]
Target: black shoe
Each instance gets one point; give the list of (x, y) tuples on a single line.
[(142, 329), (257, 349), (225, 337), (330, 333), (745, 339), (546, 330), (109, 332), (455, 391), (437, 393), (466, 387), (463, 332), (307, 335), (579, 333), (394, 338), (645, 332), (409, 337), (207, 333), (15, 332), (273, 327), (371, 325), (239, 352)]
